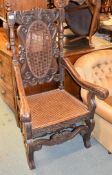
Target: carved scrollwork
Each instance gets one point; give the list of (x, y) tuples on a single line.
[(26, 19), (61, 136)]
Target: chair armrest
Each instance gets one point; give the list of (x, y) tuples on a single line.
[(100, 92), (24, 107)]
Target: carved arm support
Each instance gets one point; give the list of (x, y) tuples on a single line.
[(100, 92), (24, 107)]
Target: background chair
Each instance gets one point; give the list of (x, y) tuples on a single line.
[(96, 68), (54, 116), (81, 17)]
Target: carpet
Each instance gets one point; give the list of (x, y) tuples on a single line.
[(69, 158)]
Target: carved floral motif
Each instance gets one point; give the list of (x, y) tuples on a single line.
[(26, 19)]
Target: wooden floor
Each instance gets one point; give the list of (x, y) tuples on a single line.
[(69, 158)]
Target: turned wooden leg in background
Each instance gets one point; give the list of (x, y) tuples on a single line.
[(109, 152), (96, 8)]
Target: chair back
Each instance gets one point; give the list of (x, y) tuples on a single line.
[(40, 35)]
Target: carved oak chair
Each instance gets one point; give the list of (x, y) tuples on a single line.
[(54, 116)]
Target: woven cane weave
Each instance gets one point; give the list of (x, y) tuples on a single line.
[(38, 49), (53, 107)]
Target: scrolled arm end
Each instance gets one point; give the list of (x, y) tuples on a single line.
[(100, 92)]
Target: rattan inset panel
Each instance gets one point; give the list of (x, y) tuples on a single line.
[(39, 49)]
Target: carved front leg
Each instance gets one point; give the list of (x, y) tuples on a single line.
[(30, 154), (86, 137), (6, 28), (28, 142)]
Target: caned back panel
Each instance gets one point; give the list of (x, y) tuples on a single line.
[(39, 50)]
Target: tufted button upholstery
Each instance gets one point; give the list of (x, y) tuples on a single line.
[(96, 67)]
